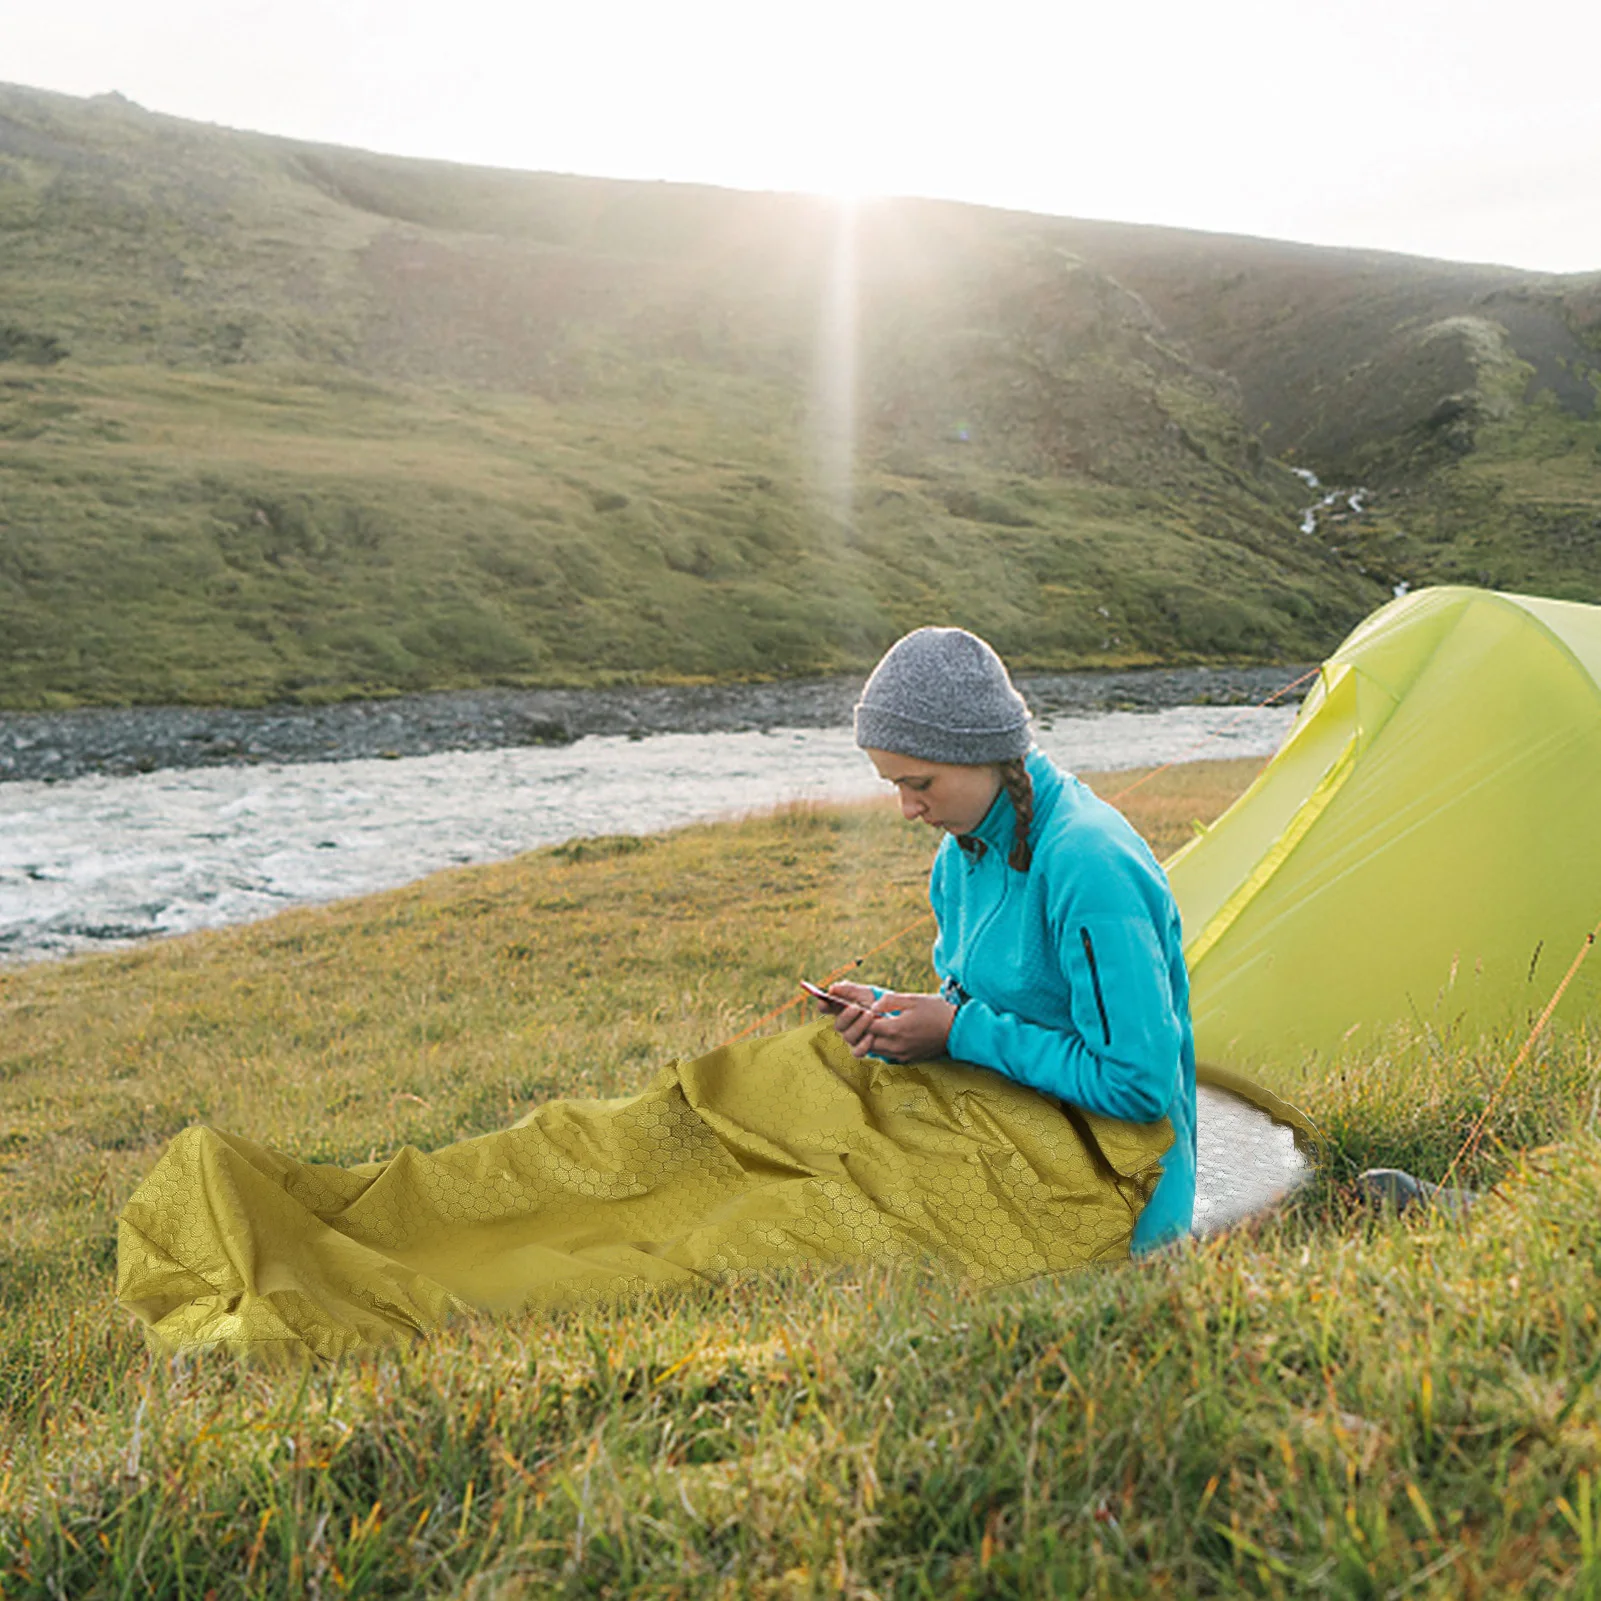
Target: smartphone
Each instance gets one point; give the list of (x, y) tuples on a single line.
[(821, 994)]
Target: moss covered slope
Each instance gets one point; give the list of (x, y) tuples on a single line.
[(285, 420), (278, 420)]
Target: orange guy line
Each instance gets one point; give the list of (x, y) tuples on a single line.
[(1471, 1143)]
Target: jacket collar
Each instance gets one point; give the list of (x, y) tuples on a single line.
[(997, 829)]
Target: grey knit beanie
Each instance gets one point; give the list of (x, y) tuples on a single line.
[(943, 695)]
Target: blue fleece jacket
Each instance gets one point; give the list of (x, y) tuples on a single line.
[(1074, 972)]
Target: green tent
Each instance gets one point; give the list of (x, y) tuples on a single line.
[(1424, 850)]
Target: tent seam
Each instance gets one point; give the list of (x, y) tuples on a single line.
[(1306, 815)]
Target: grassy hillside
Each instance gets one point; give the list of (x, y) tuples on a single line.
[(278, 420), (285, 420), (1464, 397), (1326, 1403), (237, 536)]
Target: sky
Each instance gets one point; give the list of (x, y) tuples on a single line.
[(1465, 130)]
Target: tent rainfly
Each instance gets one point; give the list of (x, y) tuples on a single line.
[(1423, 851)]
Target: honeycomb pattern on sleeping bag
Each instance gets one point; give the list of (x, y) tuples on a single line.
[(775, 1151)]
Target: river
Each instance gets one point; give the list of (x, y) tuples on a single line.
[(100, 861)]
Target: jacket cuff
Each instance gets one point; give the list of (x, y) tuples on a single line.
[(972, 1035)]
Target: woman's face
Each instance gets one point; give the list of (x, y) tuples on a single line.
[(941, 794)]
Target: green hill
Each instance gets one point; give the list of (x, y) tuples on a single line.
[(1464, 396), (285, 420)]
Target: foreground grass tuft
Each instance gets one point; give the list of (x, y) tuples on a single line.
[(1327, 1401)]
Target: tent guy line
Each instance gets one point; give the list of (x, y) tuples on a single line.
[(1476, 1132)]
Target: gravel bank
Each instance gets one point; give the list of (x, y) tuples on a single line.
[(144, 739)]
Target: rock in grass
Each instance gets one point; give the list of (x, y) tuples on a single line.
[(1391, 1187)]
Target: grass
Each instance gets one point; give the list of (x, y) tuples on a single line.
[(279, 422), (1328, 1401), (241, 537), (1521, 512)]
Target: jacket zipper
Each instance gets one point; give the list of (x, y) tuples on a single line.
[(1095, 979), (982, 929)]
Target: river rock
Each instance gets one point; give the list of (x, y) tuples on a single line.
[(119, 741)]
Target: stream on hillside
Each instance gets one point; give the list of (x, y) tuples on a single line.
[(1325, 507)]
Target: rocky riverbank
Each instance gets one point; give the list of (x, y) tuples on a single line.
[(119, 741)]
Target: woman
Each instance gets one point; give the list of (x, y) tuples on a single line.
[(1059, 947)]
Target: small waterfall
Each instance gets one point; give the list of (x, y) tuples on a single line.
[(1355, 499)]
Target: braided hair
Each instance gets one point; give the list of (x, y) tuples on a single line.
[(1020, 787), (1017, 784)]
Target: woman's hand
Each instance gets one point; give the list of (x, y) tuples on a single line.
[(902, 1028), (855, 1017)]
